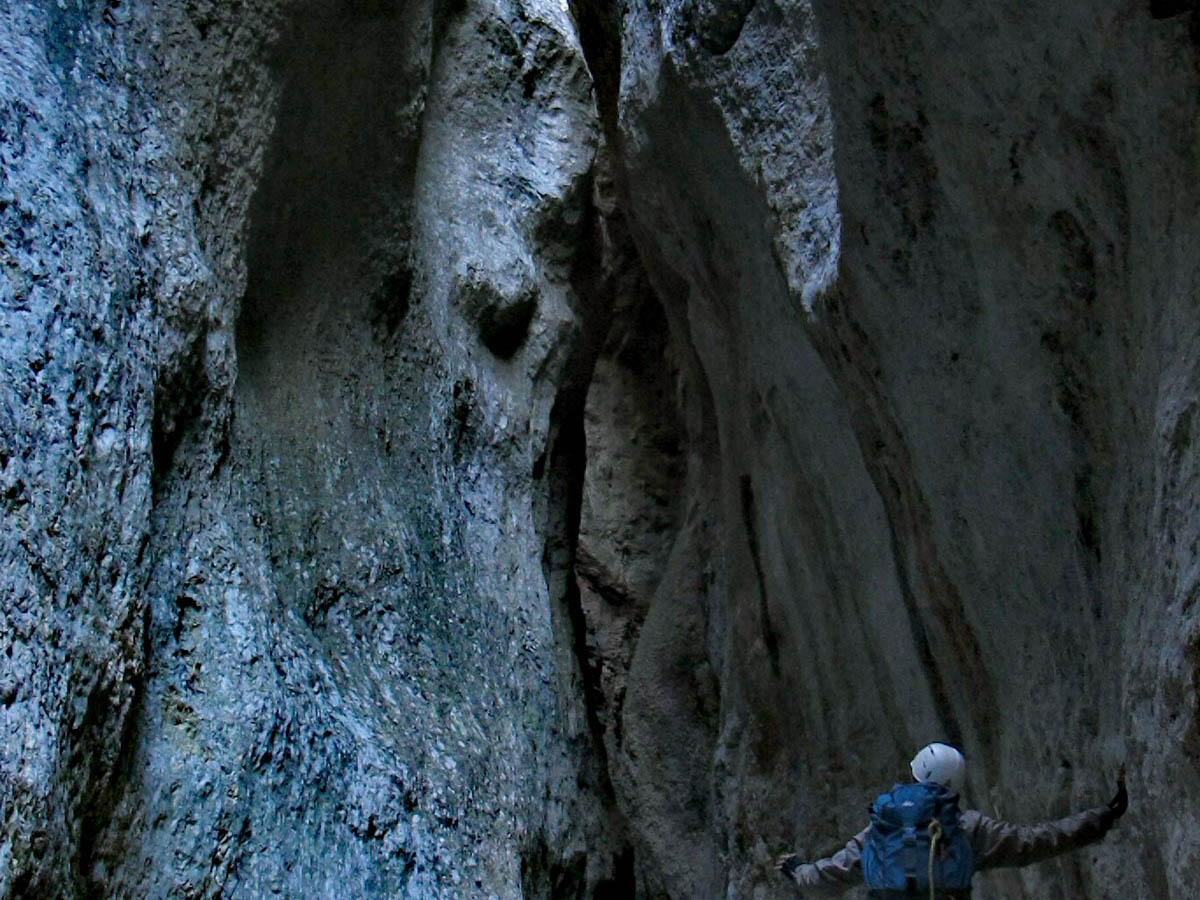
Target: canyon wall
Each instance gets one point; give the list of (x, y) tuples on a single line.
[(288, 379), (931, 267), (581, 451)]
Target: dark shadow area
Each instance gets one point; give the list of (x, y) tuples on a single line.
[(599, 23), (329, 225)]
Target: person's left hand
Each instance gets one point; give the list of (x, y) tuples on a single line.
[(787, 864)]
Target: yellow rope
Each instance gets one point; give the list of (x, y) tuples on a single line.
[(935, 835)]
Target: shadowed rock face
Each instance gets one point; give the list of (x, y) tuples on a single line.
[(944, 489), (512, 450)]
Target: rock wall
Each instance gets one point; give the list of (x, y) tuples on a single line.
[(927, 267), (529, 450), (286, 383)]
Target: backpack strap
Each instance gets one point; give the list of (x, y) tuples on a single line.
[(910, 859)]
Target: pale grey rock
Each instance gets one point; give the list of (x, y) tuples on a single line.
[(275, 594)]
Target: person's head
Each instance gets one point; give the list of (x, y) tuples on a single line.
[(942, 764)]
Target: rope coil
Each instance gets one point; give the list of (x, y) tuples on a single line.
[(935, 835)]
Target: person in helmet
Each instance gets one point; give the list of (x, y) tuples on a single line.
[(919, 844)]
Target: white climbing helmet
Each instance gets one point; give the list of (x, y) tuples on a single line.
[(940, 763)]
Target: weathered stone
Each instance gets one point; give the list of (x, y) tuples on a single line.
[(501, 315), (937, 466), (510, 450), (321, 655)]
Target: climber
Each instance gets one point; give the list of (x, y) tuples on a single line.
[(920, 845)]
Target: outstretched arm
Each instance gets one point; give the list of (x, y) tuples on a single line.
[(1000, 844), (830, 876)]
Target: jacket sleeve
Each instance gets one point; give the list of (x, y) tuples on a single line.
[(835, 874), (1000, 844)]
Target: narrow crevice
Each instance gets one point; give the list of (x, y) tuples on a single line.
[(599, 25), (568, 458), (1072, 339), (567, 462), (562, 467), (623, 884)]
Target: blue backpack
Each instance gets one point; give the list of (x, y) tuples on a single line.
[(915, 831)]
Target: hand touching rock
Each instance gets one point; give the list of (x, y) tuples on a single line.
[(787, 864), (1120, 801)]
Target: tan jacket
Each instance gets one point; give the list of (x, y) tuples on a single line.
[(996, 844)]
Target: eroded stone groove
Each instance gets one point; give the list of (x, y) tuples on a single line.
[(748, 515), (942, 637)]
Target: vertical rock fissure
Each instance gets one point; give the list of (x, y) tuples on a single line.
[(598, 23), (101, 835), (544, 876), (749, 514), (564, 474), (568, 459)]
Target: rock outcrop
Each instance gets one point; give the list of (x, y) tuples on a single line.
[(284, 599), (581, 450), (947, 395)]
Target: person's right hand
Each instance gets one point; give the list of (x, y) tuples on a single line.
[(1120, 802)]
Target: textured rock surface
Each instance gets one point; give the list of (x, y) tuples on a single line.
[(939, 479), (504, 450), (276, 603)]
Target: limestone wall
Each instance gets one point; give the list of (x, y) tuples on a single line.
[(582, 450)]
